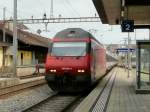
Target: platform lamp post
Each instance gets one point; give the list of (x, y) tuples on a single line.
[(15, 43)]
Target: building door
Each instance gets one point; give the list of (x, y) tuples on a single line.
[(21, 58)]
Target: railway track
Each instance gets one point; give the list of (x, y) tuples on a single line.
[(21, 86), (57, 103), (31, 76), (69, 103)]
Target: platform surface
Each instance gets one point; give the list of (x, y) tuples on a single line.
[(123, 97)]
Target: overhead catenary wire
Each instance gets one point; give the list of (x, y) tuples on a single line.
[(22, 13), (9, 13), (69, 7), (64, 9), (72, 7), (26, 12)]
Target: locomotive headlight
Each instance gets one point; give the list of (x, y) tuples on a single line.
[(81, 71), (52, 70)]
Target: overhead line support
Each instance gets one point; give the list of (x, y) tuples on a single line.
[(57, 20)]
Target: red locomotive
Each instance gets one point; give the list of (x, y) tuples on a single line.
[(75, 61)]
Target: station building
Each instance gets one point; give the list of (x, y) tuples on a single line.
[(32, 48)]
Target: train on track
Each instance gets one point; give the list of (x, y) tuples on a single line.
[(75, 61)]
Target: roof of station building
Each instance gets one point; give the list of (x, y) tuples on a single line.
[(29, 38)]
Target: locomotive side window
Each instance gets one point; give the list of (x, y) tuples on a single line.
[(69, 49)]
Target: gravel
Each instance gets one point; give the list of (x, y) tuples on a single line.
[(23, 100)]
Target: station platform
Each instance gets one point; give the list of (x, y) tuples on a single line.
[(25, 74), (119, 96), (123, 97)]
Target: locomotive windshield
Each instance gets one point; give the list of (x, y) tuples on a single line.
[(68, 49)]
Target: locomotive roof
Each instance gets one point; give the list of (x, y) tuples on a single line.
[(75, 33)]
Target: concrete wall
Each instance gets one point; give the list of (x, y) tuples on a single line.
[(24, 71), (28, 70)]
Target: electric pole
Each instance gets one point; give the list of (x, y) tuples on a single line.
[(4, 13), (4, 37), (51, 9), (126, 56), (15, 44), (129, 58)]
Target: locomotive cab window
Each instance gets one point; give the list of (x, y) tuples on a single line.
[(69, 49)]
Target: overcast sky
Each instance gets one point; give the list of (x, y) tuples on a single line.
[(67, 8)]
